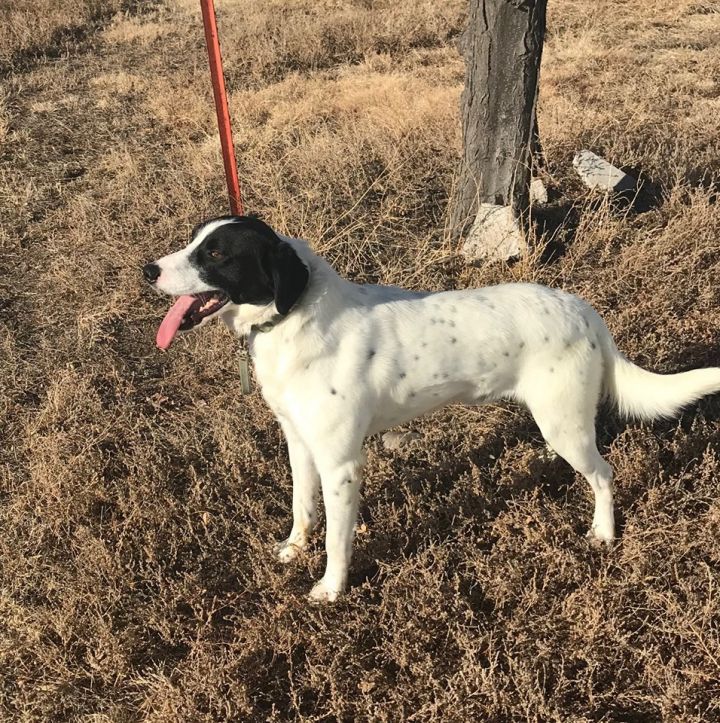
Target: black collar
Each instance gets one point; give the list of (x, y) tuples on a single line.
[(271, 323)]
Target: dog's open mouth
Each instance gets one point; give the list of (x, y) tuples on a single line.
[(187, 312), (203, 305)]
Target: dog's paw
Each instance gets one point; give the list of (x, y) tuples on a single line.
[(548, 454), (324, 593), (288, 550), (601, 535)]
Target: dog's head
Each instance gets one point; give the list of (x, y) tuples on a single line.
[(229, 261)]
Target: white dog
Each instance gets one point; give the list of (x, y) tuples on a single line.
[(338, 361)]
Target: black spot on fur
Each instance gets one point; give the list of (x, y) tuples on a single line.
[(416, 357), (333, 391), (547, 338), (593, 345), (371, 353), (402, 375), (522, 344), (453, 340), (412, 394), (506, 353)]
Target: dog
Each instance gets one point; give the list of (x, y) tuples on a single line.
[(338, 361)]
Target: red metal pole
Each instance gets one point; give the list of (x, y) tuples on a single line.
[(221, 106)]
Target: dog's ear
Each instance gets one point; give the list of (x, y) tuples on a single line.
[(290, 277)]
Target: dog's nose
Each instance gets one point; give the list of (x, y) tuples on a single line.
[(151, 272)]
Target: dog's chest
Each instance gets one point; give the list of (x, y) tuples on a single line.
[(292, 370)]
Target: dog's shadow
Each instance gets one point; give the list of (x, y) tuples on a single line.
[(438, 490), (424, 493)]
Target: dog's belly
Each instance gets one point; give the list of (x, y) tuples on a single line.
[(394, 410)]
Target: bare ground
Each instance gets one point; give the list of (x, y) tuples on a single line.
[(140, 492)]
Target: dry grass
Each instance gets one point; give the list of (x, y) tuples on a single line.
[(139, 492)]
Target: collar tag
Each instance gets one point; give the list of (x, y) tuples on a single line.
[(245, 387)]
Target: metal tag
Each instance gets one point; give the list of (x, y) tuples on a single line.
[(244, 373)]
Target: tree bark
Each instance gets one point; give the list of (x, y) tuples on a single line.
[(503, 48)]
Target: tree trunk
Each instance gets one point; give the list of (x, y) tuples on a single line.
[(502, 48)]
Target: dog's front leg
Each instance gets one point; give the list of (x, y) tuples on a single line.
[(306, 482), (341, 495)]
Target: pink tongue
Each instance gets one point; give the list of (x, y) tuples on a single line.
[(171, 323)]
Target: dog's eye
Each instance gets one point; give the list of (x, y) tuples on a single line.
[(215, 254)]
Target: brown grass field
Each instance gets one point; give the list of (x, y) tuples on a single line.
[(140, 493)]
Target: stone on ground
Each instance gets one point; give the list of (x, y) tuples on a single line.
[(538, 192), (495, 235), (596, 172)]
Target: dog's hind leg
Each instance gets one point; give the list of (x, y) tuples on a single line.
[(573, 438), (306, 482), (565, 413)]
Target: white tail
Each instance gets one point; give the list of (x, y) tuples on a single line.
[(642, 394)]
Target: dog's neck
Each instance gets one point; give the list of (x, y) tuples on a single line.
[(268, 325), (243, 319)]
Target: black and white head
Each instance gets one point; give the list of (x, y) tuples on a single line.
[(230, 261)]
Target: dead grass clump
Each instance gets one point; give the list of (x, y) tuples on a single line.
[(648, 102), (373, 150), (49, 27), (277, 38)]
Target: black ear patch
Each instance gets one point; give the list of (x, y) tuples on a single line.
[(290, 277)]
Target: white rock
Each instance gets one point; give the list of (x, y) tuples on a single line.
[(395, 440), (596, 172), (495, 235), (538, 192)]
